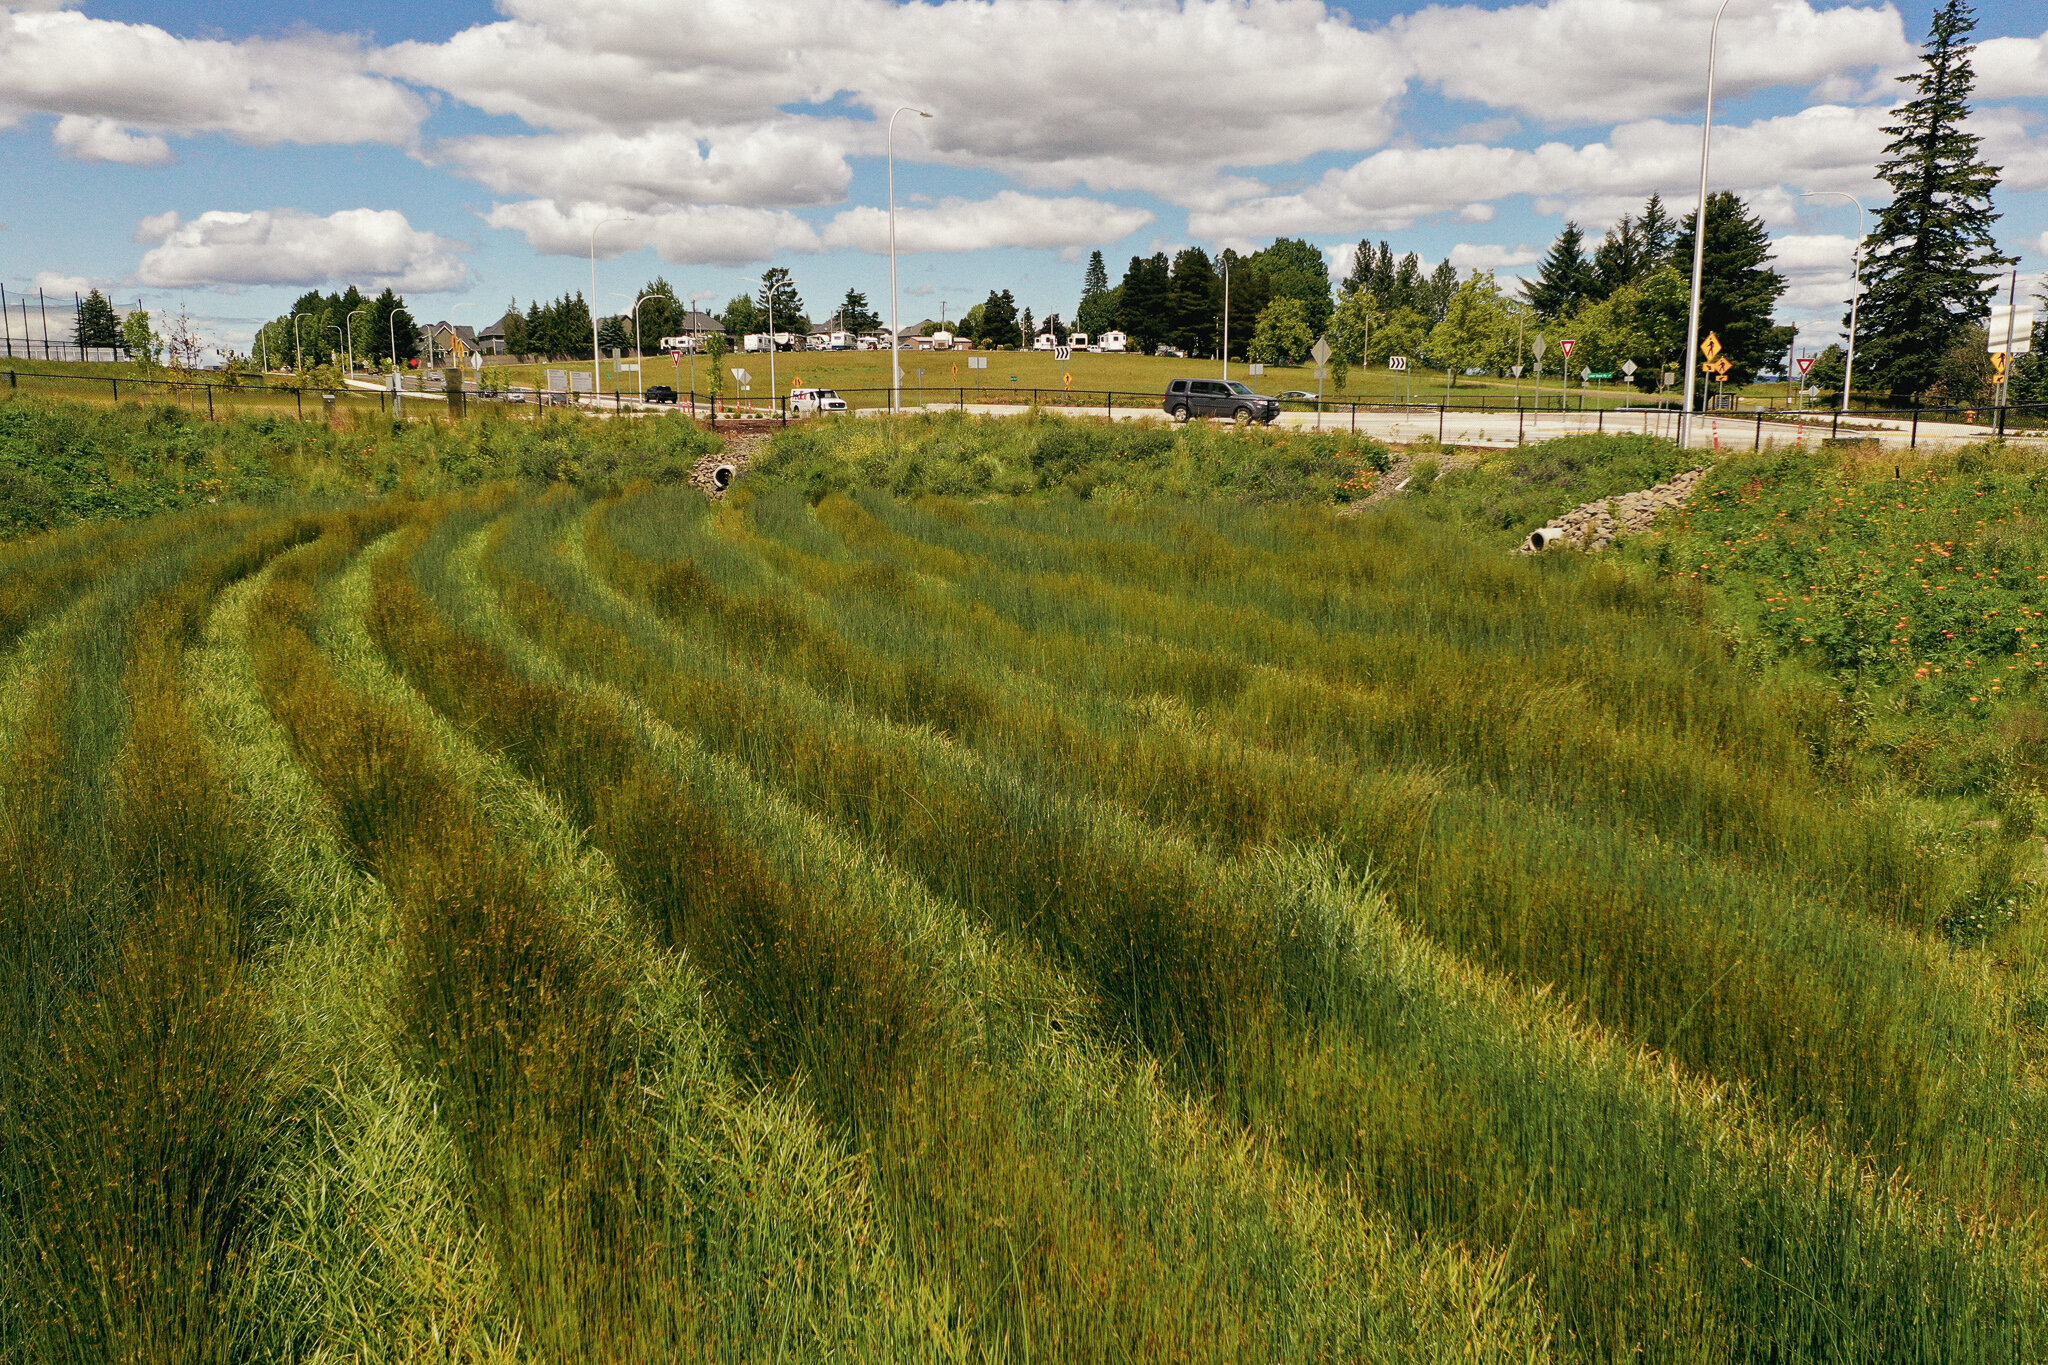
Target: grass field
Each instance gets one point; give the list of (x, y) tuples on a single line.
[(946, 373), (938, 377), (535, 914)]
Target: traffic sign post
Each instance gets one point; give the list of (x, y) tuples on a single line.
[(1537, 350), (1320, 353)]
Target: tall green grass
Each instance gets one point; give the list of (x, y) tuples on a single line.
[(1210, 966)]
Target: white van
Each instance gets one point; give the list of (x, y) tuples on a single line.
[(810, 402)]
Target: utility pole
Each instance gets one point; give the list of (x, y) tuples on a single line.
[(7, 323)]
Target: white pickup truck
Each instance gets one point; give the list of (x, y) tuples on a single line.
[(811, 402)]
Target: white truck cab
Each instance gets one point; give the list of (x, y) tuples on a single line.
[(811, 402)]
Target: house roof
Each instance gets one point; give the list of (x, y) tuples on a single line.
[(496, 330)]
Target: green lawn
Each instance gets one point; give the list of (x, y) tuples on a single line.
[(943, 376)]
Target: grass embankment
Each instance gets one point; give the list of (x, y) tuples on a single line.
[(63, 463), (1184, 983), (587, 924)]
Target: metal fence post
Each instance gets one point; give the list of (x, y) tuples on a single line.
[(1439, 423), (1914, 443), (1520, 439), (300, 396), (1835, 425), (1759, 433), (209, 401), (1600, 422), (115, 380), (12, 382)]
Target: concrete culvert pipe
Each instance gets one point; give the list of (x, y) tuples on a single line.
[(721, 477), (1543, 537)]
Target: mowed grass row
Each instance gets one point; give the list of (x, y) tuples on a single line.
[(1070, 1237), (144, 1103), (1269, 988), (1646, 934)]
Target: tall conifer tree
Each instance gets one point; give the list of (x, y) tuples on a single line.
[(1930, 264), (1564, 280)]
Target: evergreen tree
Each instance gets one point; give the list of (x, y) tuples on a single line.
[(1658, 231), (1564, 280), (1737, 290), (1194, 303), (1435, 295), (1383, 277), (1027, 329), (389, 320), (615, 333), (661, 313), (1409, 286), (998, 322), (1621, 258), (98, 326), (1363, 258), (1930, 264), (1145, 302), (1096, 278), (779, 290), (1098, 308), (856, 316)]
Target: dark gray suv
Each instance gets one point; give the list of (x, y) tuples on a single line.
[(1187, 398)]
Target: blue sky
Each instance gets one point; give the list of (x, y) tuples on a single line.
[(221, 160)]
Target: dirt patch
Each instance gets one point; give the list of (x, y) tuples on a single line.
[(1395, 480)]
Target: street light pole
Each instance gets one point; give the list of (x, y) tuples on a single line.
[(895, 324), (1855, 285), (397, 392), (596, 362), (1699, 240), (298, 351), (350, 335), (1225, 258)]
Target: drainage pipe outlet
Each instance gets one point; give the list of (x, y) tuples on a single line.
[(721, 477), (1543, 537)]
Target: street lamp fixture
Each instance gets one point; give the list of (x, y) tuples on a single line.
[(298, 351), (1855, 283), (895, 325), (1699, 240)]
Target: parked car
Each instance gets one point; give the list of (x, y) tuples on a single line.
[(814, 401), (1187, 398), (1296, 396), (660, 393)]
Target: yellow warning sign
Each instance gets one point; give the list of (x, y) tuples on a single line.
[(1069, 378), (1999, 361), (1711, 347)]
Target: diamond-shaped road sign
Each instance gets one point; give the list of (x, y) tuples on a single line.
[(1585, 374), (1628, 367), (1711, 347), (1321, 351), (1540, 346)]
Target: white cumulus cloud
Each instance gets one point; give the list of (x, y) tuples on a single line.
[(1603, 61), (1009, 219), (2009, 68), (1485, 256), (140, 78), (98, 139), (778, 165), (368, 247)]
